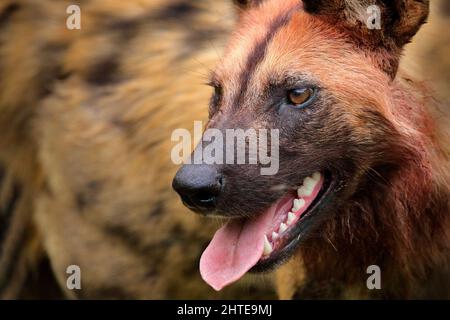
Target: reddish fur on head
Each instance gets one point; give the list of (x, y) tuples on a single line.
[(399, 220)]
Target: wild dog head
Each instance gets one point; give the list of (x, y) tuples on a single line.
[(321, 74)]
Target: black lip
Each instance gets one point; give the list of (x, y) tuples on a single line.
[(302, 230)]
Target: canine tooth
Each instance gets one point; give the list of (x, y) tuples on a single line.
[(291, 218), (298, 204), (267, 247), (283, 228), (316, 176), (274, 235)]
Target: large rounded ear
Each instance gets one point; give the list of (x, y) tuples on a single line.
[(385, 25)]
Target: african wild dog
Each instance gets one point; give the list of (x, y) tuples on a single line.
[(85, 121), (364, 160)]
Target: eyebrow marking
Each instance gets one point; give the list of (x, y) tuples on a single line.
[(258, 53)]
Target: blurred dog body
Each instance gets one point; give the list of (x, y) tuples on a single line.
[(86, 118)]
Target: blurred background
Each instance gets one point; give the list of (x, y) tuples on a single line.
[(428, 56), (86, 117)]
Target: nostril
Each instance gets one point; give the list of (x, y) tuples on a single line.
[(205, 197), (221, 182)]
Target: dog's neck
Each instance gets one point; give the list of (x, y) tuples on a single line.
[(397, 219)]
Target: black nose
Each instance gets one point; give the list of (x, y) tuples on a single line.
[(199, 186)]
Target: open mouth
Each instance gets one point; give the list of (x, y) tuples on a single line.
[(261, 243), (290, 221)]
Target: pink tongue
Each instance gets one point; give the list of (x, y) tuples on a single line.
[(235, 249)]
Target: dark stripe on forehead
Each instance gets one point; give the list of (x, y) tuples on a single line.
[(258, 53)]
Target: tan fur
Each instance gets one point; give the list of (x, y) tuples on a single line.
[(96, 153)]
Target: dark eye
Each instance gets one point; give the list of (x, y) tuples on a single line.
[(300, 97)]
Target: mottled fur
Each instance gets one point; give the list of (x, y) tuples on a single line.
[(86, 119)]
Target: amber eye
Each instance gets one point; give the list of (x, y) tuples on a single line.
[(300, 96)]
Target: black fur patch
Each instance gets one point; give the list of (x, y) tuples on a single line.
[(6, 213), (103, 72), (8, 270), (180, 12), (258, 53), (2, 174), (314, 6), (6, 14), (110, 292), (52, 70), (86, 197), (318, 290), (246, 3), (127, 28), (126, 236), (42, 284), (134, 243), (157, 209)]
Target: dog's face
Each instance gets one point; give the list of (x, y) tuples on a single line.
[(330, 100)]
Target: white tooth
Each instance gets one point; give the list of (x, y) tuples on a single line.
[(267, 247), (283, 228), (307, 188), (317, 176), (298, 204), (303, 191), (274, 235), (291, 218), (302, 203), (310, 183), (295, 206)]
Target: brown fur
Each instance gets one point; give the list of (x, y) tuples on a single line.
[(424, 58)]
